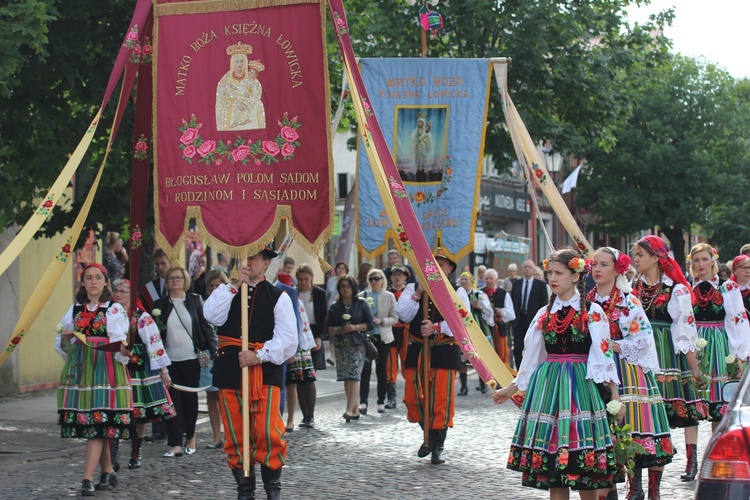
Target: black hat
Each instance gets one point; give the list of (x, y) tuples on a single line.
[(399, 268), (268, 251), (440, 253)]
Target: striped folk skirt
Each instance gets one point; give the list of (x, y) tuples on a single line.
[(682, 403), (562, 439), (644, 411), (151, 401), (301, 370), (94, 398), (717, 350)]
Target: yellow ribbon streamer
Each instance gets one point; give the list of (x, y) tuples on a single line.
[(54, 272), (29, 229)]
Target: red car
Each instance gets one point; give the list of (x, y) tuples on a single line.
[(725, 471)]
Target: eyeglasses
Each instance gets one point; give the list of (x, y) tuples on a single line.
[(743, 268), (176, 278), (375, 278)]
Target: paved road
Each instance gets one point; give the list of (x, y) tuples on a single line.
[(372, 458)]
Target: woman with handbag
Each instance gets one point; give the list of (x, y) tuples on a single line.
[(349, 317), (185, 334), (383, 305)]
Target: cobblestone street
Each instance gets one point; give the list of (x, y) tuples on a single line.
[(374, 457)]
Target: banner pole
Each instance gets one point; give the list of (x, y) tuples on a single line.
[(426, 416), (245, 382)]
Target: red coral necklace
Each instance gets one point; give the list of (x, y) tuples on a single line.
[(703, 299), (560, 325)]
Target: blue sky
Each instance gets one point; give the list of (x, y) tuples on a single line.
[(716, 30)]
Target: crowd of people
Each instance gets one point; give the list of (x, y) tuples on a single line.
[(583, 334)]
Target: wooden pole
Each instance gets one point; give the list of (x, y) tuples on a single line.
[(245, 382), (424, 41)]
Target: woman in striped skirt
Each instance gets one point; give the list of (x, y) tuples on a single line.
[(665, 295), (721, 320), (147, 366), (562, 440), (637, 364), (94, 398)]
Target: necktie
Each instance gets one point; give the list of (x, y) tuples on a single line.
[(526, 286)]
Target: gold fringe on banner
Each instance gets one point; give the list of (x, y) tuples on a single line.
[(210, 6)]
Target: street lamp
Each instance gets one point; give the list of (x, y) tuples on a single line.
[(552, 159)]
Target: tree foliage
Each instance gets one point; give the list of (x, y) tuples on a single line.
[(571, 77), (665, 169)]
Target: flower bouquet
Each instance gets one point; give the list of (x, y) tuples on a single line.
[(624, 447)]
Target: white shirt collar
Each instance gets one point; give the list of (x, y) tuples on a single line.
[(714, 281), (664, 279), (574, 302)]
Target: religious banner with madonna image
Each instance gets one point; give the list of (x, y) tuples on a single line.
[(433, 113), (242, 123)]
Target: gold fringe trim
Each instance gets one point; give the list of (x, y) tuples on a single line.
[(210, 6)]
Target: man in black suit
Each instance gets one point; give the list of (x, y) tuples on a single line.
[(155, 289), (529, 295)]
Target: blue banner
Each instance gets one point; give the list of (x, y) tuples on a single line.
[(433, 113)]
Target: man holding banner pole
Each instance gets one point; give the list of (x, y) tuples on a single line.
[(444, 361), (272, 339)]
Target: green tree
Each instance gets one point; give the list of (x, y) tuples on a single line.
[(572, 62), (728, 227), (664, 169)]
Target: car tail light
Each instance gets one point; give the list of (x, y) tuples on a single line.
[(729, 457)]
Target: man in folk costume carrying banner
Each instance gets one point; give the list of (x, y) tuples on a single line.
[(242, 136), (273, 340), (432, 351)]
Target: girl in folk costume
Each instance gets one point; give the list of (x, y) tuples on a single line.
[(94, 398), (665, 296), (721, 320), (562, 440), (637, 363), (481, 311), (147, 365), (741, 276)]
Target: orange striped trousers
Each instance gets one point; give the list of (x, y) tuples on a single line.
[(442, 399), (266, 428)]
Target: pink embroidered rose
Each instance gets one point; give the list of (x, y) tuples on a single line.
[(147, 49), (431, 269), (287, 150), (141, 146), (48, 204), (189, 151), (111, 432), (602, 461), (189, 136), (141, 323), (240, 153), (132, 35), (125, 419), (289, 134), (206, 148), (137, 49), (649, 445), (271, 148), (83, 418)]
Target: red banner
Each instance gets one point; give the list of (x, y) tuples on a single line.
[(242, 123)]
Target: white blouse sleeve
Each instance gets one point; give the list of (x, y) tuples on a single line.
[(637, 345), (67, 325), (509, 314), (216, 307), (406, 307), (307, 341), (601, 365), (534, 352), (680, 308), (151, 338), (735, 320), (117, 328)]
